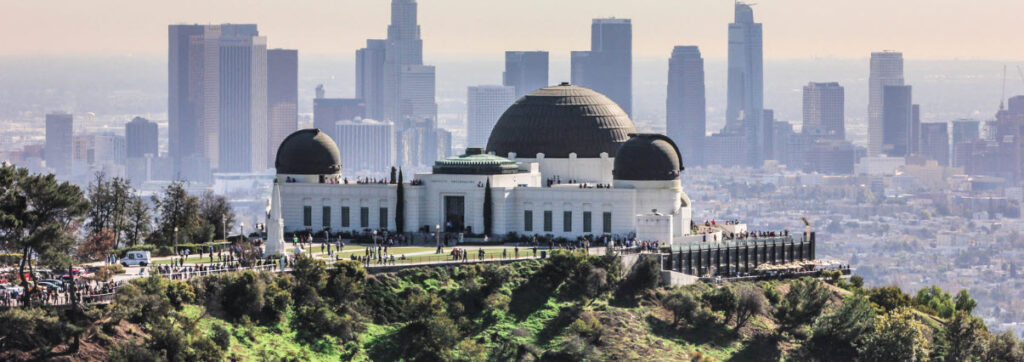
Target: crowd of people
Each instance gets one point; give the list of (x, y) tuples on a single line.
[(86, 290)]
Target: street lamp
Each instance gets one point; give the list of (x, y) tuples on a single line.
[(241, 226), (375, 238), (224, 226), (437, 234), (175, 239)]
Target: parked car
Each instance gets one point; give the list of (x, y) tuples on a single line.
[(133, 258), (50, 285)]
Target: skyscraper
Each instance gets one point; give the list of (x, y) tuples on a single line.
[(365, 145), (886, 70), (370, 77), (745, 93), (192, 91), (282, 98), (965, 132), (685, 113), (408, 85), (935, 142), (141, 138), (824, 105), (608, 66), (242, 137), (914, 141), (217, 99), (897, 118), (484, 105), (525, 71), (59, 140)]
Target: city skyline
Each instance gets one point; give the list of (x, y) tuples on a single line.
[(938, 30)]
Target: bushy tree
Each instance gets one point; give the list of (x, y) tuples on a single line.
[(964, 302), (897, 336), (214, 212), (27, 329), (803, 303), (750, 303), (963, 339), (722, 299), (685, 307), (38, 218), (177, 209), (888, 298), (936, 300), (1004, 347), (842, 332), (110, 200), (95, 245), (139, 221)]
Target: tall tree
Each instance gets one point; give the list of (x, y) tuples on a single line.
[(400, 205), (109, 199), (139, 221), (897, 337), (488, 208), (841, 333), (215, 213), (178, 210), (39, 217)]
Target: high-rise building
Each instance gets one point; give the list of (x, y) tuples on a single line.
[(824, 115), (685, 107), (526, 71), (370, 77), (897, 119), (192, 90), (217, 99), (886, 70), (282, 98), (1000, 152), (328, 111), (965, 132), (914, 142), (935, 142), (608, 66), (484, 105), (745, 93), (242, 138), (407, 85), (59, 142), (365, 145), (141, 138)]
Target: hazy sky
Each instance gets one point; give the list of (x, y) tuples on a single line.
[(924, 29)]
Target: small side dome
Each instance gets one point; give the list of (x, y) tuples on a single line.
[(308, 152), (648, 157)]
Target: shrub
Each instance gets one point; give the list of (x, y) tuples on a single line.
[(842, 332), (221, 336), (750, 303), (857, 281), (723, 300), (27, 329), (888, 298), (806, 299)]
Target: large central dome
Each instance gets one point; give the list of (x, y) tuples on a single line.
[(560, 120)]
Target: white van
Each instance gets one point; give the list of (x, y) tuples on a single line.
[(132, 258)]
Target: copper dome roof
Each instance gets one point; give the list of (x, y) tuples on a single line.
[(560, 120)]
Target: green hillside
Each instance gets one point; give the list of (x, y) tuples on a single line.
[(570, 307)]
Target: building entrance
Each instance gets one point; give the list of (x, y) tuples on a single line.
[(454, 213)]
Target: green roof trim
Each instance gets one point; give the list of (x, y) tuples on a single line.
[(475, 162)]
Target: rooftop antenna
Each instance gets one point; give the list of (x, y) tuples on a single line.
[(1003, 96)]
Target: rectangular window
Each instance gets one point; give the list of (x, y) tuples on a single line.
[(607, 222), (307, 216), (586, 221), (384, 218), (547, 220), (344, 216), (528, 220), (364, 217), (327, 217), (567, 221)]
